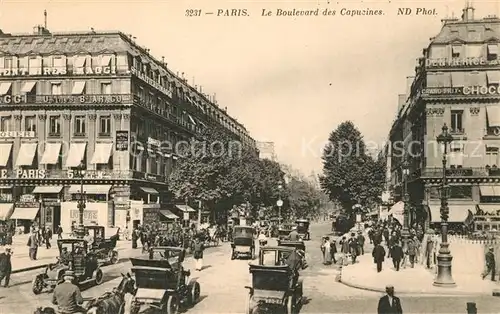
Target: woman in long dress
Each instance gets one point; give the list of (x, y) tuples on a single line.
[(327, 256)]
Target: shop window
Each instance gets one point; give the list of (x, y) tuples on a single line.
[(80, 127), (461, 191), (56, 88), (30, 124), (106, 88), (5, 124), (105, 126), (54, 126)]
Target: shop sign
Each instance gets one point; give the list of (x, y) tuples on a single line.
[(51, 202), (13, 99), (122, 206), (121, 140), (150, 81), (89, 174), (136, 214), (150, 215), (83, 99), (482, 90), (436, 91), (459, 62), (24, 174), (88, 215), (153, 142), (49, 71), (20, 134), (95, 70)]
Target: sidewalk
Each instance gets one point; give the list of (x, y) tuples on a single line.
[(21, 261), (418, 280)]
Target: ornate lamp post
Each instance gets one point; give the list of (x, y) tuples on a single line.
[(280, 201), (444, 277), (405, 233), (80, 172)]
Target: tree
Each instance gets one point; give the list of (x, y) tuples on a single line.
[(350, 175)]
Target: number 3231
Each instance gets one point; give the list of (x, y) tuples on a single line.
[(193, 12)]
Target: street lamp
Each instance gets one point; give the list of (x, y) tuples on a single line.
[(280, 201), (80, 172), (444, 277), (406, 198)]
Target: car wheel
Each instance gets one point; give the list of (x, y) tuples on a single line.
[(195, 292), (113, 257), (98, 276), (172, 304), (37, 285)]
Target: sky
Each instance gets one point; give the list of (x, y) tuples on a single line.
[(289, 80)]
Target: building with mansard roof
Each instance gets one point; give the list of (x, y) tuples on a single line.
[(97, 100), (456, 83)]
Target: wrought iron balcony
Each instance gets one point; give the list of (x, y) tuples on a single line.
[(461, 172)]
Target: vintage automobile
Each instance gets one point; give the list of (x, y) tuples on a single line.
[(275, 282), (299, 245), (303, 229), (73, 256), (162, 283), (103, 248), (243, 242), (284, 230)]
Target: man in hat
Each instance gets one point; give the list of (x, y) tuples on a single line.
[(67, 296), (294, 235), (389, 304), (5, 266), (490, 264)]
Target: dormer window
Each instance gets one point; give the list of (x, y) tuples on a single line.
[(455, 51)]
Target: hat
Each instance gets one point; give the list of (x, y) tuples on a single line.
[(389, 287), (69, 273)]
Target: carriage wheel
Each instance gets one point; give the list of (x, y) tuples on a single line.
[(249, 305), (37, 285), (172, 306), (195, 292), (113, 257), (98, 276), (289, 305)]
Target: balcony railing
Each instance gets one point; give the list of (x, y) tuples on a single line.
[(457, 131), (461, 172)]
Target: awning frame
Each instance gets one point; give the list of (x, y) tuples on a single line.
[(5, 152), (5, 87), (74, 149), (149, 190), (168, 214), (51, 156), (78, 87), (47, 189), (28, 87), (101, 151), (185, 208), (493, 115), (486, 190), (22, 213), (27, 154)]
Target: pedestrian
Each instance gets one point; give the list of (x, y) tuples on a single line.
[(59, 232), (33, 245), (397, 255), (198, 253), (333, 251), (490, 264), (48, 236), (134, 238), (389, 304), (67, 296), (353, 247), (5, 266), (361, 243), (378, 254), (429, 248), (411, 251), (325, 248)]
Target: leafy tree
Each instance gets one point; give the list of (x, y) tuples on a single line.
[(350, 175)]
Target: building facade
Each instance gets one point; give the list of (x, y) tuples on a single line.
[(101, 101), (456, 83)]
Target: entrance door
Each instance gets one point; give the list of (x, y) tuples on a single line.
[(56, 218)]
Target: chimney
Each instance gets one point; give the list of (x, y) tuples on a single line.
[(468, 12), (45, 18), (409, 82)]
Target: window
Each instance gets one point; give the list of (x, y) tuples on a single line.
[(30, 124), (491, 156), (56, 89), (5, 124), (59, 63), (461, 191), (106, 88), (54, 125), (492, 52), (455, 51), (105, 125), (80, 125), (456, 121), (34, 66), (8, 63)]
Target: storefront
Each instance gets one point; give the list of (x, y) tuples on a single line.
[(50, 211), (150, 214), (26, 213), (136, 213)]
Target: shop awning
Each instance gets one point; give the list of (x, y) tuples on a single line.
[(90, 189), (5, 211), (28, 87), (102, 153), (26, 154), (493, 114), (78, 88), (168, 214), (51, 154), (149, 190), (75, 154), (5, 149), (5, 87), (185, 208), (457, 213), (457, 79), (476, 78), (25, 213), (56, 189), (487, 190), (493, 77)]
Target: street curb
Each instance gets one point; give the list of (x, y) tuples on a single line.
[(414, 292)]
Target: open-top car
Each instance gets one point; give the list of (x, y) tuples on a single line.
[(299, 245), (162, 283), (103, 247), (303, 229), (284, 230), (243, 242), (275, 281), (73, 255)]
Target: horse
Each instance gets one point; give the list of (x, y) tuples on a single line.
[(113, 302)]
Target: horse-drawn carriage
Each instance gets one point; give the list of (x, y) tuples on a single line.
[(103, 248), (243, 242), (162, 283), (73, 255), (275, 281)]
